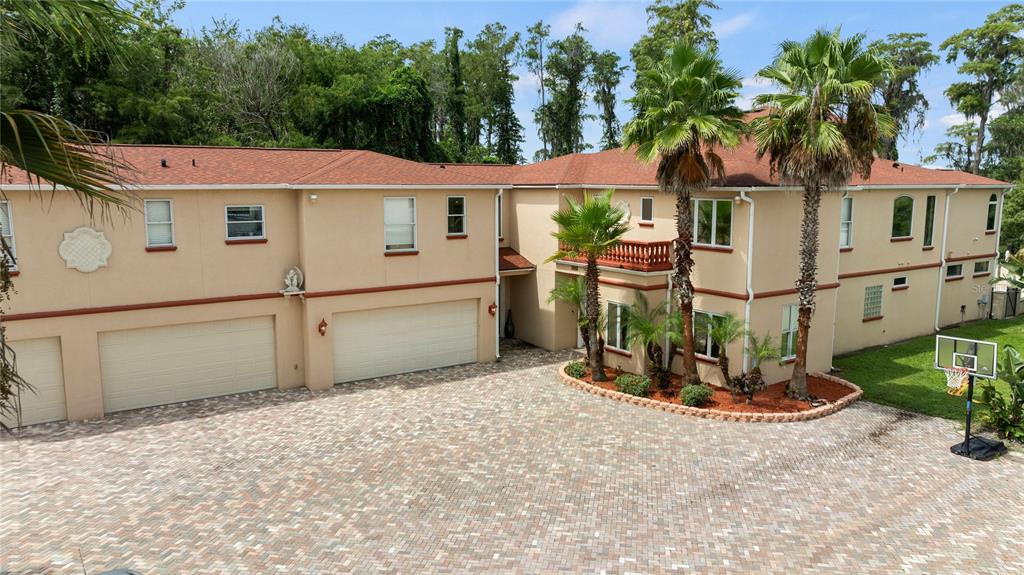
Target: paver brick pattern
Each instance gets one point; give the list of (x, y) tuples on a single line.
[(499, 468)]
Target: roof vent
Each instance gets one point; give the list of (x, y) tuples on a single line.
[(163, 162), (193, 162), (442, 166), (895, 164)]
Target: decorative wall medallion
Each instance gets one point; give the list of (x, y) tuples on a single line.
[(85, 249)]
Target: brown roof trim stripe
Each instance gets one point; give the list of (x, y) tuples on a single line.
[(977, 257), (728, 294), (624, 284), (889, 270), (400, 287), (790, 291), (138, 306)]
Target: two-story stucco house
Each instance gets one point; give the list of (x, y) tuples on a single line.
[(411, 266)]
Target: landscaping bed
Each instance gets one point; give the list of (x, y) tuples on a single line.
[(769, 404)]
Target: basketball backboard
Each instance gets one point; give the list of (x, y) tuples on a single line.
[(976, 356)]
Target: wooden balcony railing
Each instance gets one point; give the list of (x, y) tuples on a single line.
[(637, 256)]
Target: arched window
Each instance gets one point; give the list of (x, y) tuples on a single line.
[(993, 206), (902, 216)]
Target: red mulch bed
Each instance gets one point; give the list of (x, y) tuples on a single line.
[(769, 400)]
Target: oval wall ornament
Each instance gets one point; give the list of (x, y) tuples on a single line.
[(85, 249)]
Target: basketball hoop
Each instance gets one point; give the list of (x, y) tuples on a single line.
[(956, 380)]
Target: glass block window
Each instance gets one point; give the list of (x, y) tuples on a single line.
[(872, 301)]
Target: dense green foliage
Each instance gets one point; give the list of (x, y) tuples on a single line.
[(909, 55), (1006, 411), (576, 369), (695, 395), (632, 384)]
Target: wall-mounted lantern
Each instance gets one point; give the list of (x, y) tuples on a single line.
[(492, 309), (322, 327)]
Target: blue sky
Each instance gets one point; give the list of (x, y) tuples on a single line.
[(748, 31)]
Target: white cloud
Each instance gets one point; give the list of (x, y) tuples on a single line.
[(956, 118), (753, 86), (729, 27), (609, 25)]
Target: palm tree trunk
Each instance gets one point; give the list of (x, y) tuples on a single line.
[(683, 266), (723, 365), (593, 312), (806, 286)]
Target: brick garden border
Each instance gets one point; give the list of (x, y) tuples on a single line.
[(715, 414)]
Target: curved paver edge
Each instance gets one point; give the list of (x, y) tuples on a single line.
[(715, 414)]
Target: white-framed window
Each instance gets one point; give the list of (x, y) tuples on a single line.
[(872, 302), (929, 221), (954, 271), (7, 233), (647, 209), (245, 222), (790, 315), (712, 222), (159, 216), (617, 329), (993, 208), (846, 222), (902, 217), (981, 267), (457, 215), (900, 282), (703, 344), (399, 224)]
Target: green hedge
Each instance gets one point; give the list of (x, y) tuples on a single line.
[(576, 369), (638, 385), (695, 395)]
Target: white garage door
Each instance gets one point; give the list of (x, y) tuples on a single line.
[(403, 339), (154, 366), (39, 364)]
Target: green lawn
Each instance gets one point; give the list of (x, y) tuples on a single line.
[(901, 375)]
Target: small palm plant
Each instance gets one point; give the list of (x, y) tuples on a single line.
[(574, 292), (1012, 269), (648, 329), (724, 330), (589, 230), (760, 350)]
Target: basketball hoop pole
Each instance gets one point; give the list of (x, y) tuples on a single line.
[(976, 447), (970, 404)]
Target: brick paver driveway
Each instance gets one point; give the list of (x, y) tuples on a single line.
[(499, 468)]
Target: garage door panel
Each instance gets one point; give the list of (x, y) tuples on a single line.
[(39, 363), (409, 338), (169, 364)]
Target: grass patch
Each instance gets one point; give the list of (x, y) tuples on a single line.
[(901, 375)]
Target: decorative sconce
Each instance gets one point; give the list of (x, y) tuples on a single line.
[(322, 327), (313, 197), (492, 309)]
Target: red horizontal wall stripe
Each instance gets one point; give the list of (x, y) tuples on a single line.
[(889, 270), (977, 257), (400, 287)]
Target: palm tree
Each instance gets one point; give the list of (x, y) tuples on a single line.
[(574, 292), (688, 113), (588, 230), (1013, 266), (820, 129), (761, 350), (724, 330), (648, 328)]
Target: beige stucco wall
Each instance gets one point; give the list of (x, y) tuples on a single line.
[(906, 313)]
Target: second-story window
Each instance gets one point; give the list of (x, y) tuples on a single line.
[(846, 223), (7, 232), (902, 217), (790, 315), (929, 221), (159, 223), (399, 224), (617, 334), (456, 215), (647, 210), (712, 222), (245, 222), (993, 207)]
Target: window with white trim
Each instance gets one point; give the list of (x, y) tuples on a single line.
[(647, 209), (993, 208), (929, 221), (245, 222), (955, 271), (456, 215), (846, 222), (159, 223), (790, 315), (712, 222), (399, 224), (617, 329), (7, 232), (900, 282), (902, 217), (872, 302), (702, 342), (981, 267)]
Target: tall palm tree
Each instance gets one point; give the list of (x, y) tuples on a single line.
[(820, 128), (688, 114), (588, 230), (574, 293)]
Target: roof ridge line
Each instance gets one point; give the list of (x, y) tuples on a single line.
[(347, 156)]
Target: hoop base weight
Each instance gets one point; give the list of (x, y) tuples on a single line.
[(979, 448)]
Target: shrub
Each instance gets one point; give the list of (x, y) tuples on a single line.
[(576, 369), (1006, 413), (747, 384), (695, 395), (638, 385)]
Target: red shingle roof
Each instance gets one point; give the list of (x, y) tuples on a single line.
[(207, 165), (509, 259)]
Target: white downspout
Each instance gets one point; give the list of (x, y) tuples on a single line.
[(942, 256), (750, 278), (497, 274)]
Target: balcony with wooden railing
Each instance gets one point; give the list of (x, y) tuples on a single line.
[(636, 256)]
